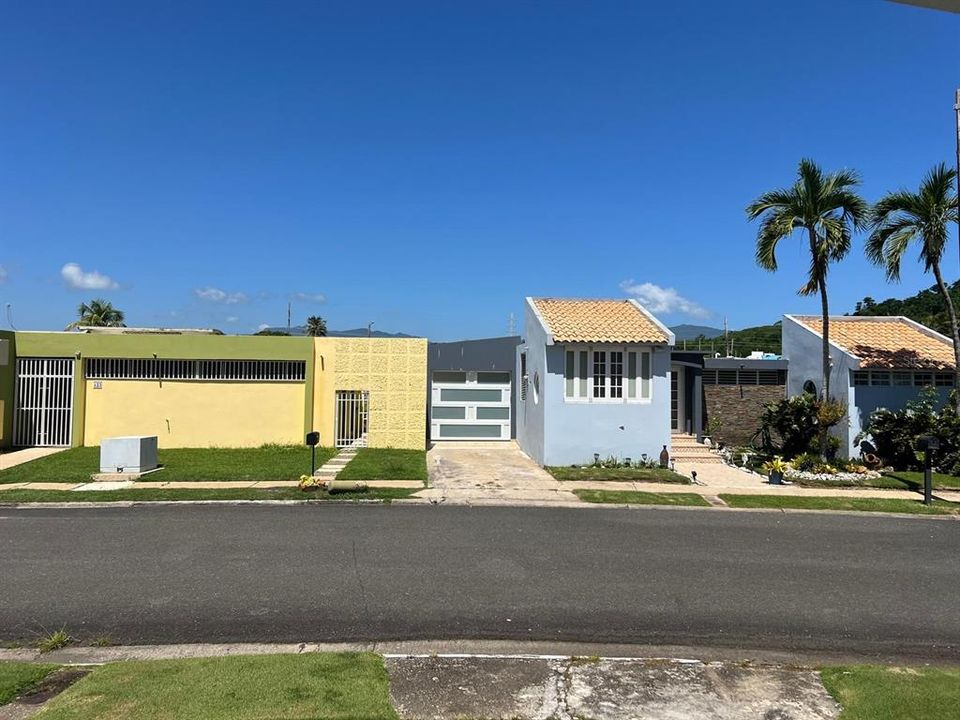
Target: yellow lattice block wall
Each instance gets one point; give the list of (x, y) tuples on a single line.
[(392, 370)]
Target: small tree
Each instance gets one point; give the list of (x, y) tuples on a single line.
[(316, 326), (900, 218), (98, 313)]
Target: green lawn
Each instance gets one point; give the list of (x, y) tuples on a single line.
[(633, 497), (914, 480), (795, 502), (270, 462), (628, 474), (135, 495), (18, 677), (317, 686), (869, 692), (386, 464)]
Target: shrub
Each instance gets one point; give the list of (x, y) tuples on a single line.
[(791, 426), (894, 433)]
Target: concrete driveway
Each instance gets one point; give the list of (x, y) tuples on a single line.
[(485, 471)]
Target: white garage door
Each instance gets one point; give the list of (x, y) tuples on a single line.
[(470, 405)]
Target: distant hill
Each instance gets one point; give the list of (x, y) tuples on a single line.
[(765, 338), (358, 332), (689, 332), (926, 307)]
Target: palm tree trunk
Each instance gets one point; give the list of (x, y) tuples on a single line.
[(825, 356), (952, 311)]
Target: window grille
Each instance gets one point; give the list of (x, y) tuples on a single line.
[(225, 370)]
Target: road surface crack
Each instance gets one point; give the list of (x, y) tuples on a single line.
[(356, 571)]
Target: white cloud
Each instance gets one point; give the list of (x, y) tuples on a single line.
[(75, 278), (658, 299), (216, 295), (309, 297), (232, 319), (3, 274)]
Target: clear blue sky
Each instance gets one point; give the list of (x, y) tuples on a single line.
[(425, 165)]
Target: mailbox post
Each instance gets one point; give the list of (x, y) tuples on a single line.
[(929, 444), (313, 439)]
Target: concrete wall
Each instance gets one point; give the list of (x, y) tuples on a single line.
[(485, 354), (195, 413), (169, 346), (802, 348), (8, 364), (530, 412), (392, 370), (189, 413), (577, 430)]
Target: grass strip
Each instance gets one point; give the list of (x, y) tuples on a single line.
[(799, 502), (313, 685), (134, 495), (869, 692), (386, 464), (622, 474), (634, 497), (17, 678), (269, 462)]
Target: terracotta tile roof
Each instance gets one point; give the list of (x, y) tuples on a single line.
[(886, 342), (598, 321)]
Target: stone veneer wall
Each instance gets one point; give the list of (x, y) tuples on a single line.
[(739, 408)]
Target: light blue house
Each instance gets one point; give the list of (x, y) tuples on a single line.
[(594, 378), (874, 362)]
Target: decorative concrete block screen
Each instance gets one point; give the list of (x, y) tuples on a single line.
[(393, 371)]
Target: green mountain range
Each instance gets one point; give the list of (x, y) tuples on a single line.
[(926, 307)]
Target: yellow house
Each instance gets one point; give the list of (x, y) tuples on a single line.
[(202, 390)]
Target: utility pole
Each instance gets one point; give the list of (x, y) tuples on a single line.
[(369, 329), (726, 339), (956, 111), (511, 325), (288, 315)]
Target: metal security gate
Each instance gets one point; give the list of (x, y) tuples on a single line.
[(351, 418), (43, 415)]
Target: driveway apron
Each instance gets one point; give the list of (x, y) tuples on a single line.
[(478, 471)]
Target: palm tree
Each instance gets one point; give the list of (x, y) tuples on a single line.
[(902, 217), (316, 326), (827, 208), (99, 313)]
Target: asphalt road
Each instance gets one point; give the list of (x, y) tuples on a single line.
[(866, 584)]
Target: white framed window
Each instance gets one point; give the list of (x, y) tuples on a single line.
[(608, 375), (879, 377)]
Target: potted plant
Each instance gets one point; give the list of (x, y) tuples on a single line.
[(713, 427), (775, 470)]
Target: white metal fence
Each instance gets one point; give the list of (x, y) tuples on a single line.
[(351, 418), (43, 415)]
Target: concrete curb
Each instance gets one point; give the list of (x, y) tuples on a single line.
[(479, 504), (77, 655)]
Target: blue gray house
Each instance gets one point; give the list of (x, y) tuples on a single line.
[(874, 362), (594, 377)]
